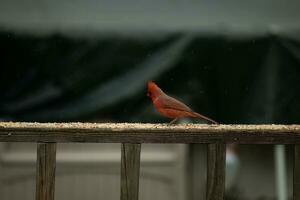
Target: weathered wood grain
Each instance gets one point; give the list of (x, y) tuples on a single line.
[(296, 187), (215, 186), (149, 133), (130, 171), (45, 171)]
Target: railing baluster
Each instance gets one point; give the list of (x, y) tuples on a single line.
[(130, 171), (296, 189), (45, 171), (215, 186)]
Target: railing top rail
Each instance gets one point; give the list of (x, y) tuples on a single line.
[(148, 133)]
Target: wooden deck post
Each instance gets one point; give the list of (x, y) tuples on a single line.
[(45, 171), (130, 171), (215, 186), (296, 178)]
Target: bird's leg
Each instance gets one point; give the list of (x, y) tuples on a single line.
[(173, 121)]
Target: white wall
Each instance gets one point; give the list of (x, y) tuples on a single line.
[(92, 171), (53, 15)]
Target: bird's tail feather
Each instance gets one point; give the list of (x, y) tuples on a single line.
[(197, 115)]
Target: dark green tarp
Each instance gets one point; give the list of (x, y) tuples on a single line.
[(229, 77)]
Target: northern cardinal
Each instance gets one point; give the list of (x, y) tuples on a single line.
[(170, 107)]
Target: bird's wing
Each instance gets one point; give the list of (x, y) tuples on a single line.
[(168, 102)]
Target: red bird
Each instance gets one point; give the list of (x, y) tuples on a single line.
[(170, 107)]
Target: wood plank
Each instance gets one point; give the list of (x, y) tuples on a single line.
[(149, 133), (130, 171), (215, 172), (45, 171), (296, 187)]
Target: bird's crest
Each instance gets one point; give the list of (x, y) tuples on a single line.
[(153, 90), (151, 85)]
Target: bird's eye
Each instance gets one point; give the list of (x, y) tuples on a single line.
[(149, 94)]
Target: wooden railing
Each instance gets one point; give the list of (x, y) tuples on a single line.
[(46, 135)]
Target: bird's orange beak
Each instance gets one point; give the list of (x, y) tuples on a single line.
[(148, 88)]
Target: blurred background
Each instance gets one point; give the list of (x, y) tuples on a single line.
[(89, 61)]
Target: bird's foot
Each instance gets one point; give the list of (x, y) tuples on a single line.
[(173, 121)]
